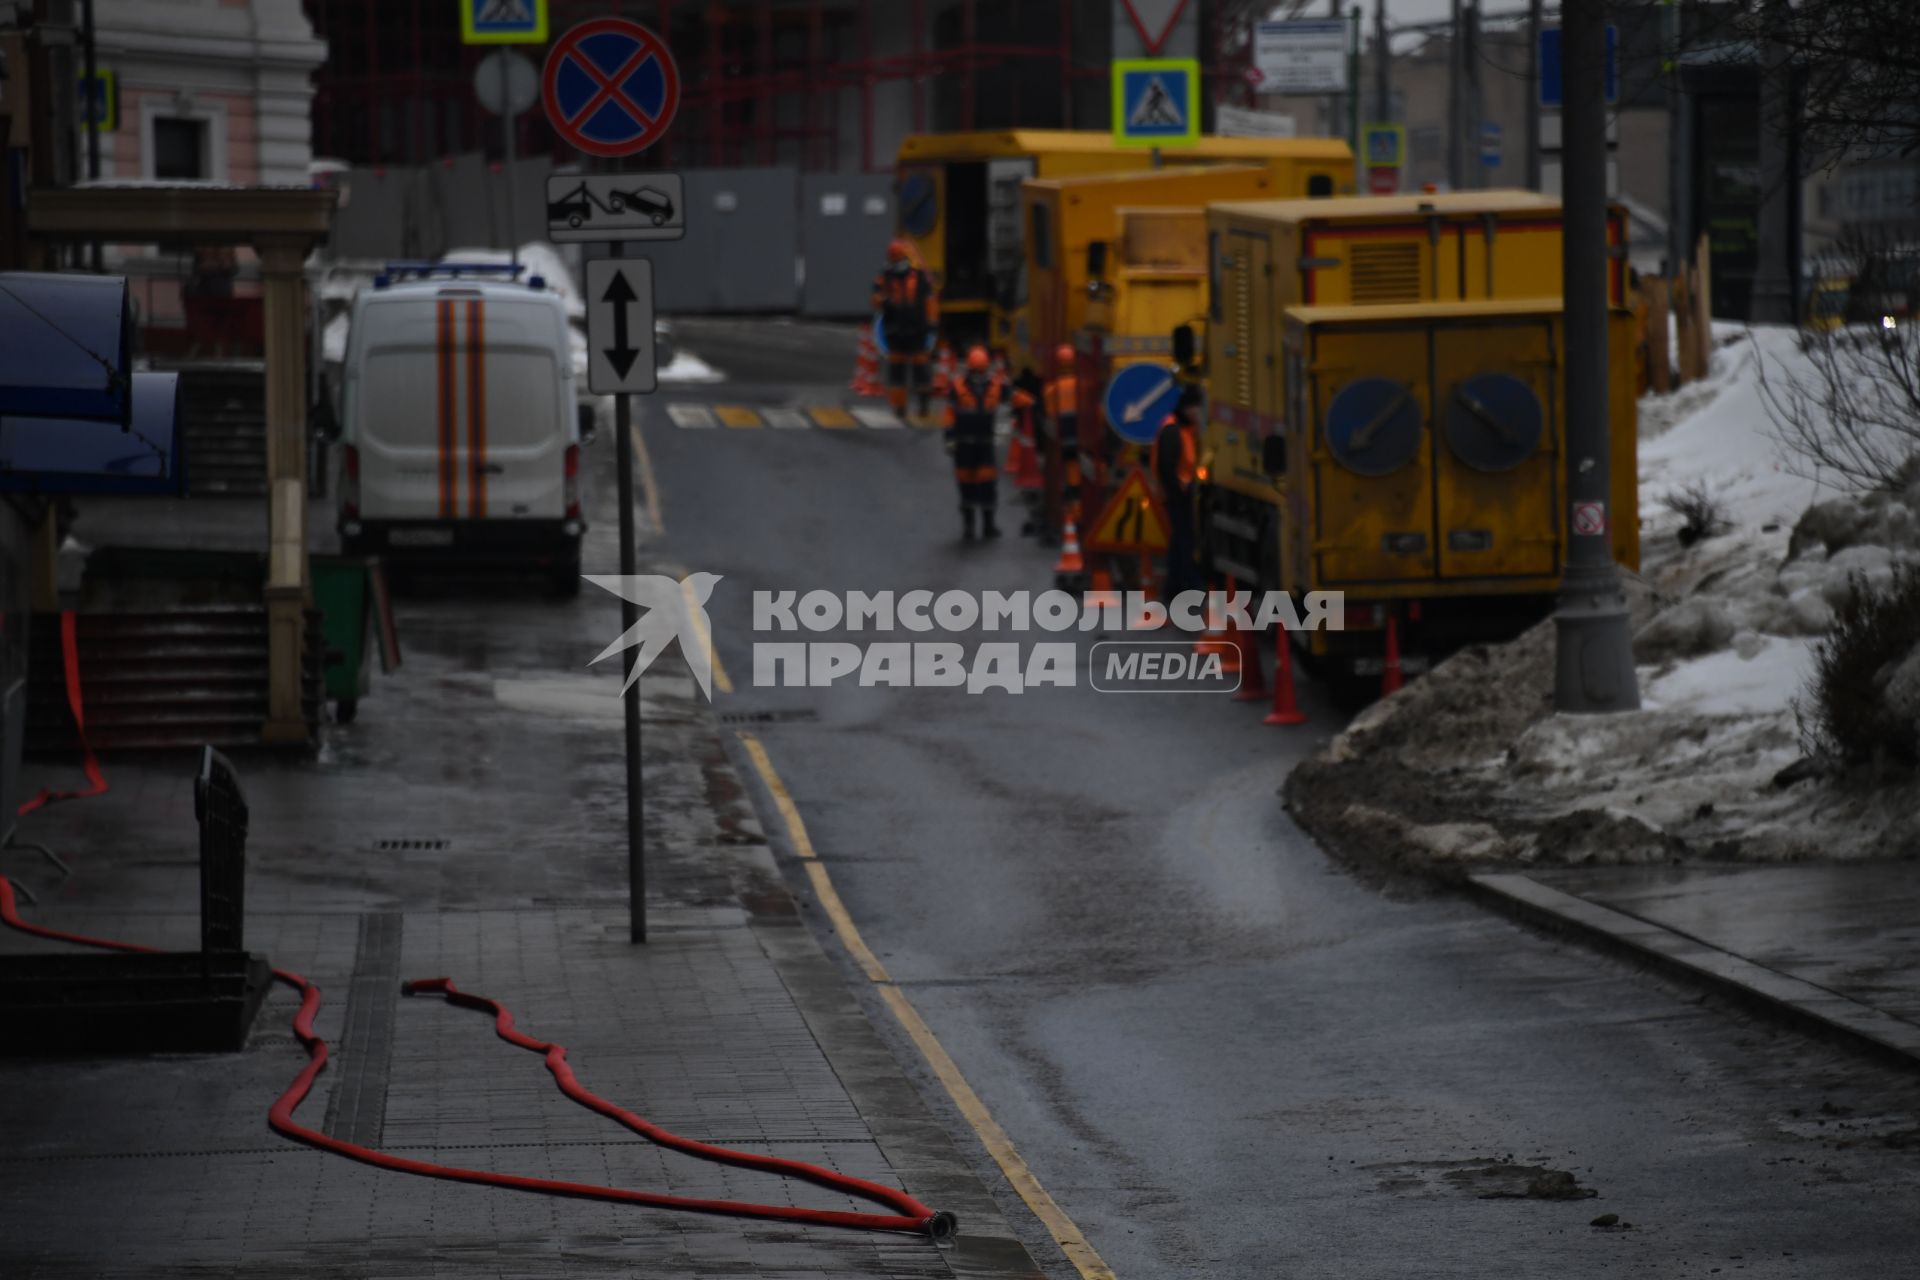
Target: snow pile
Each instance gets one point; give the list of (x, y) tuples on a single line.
[(688, 367), (1471, 765)]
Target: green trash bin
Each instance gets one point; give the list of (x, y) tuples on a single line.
[(342, 591)]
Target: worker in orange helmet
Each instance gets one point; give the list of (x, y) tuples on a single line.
[(1175, 461), (973, 405), (1062, 404), (909, 312)]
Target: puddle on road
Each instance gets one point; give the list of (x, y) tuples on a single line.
[(591, 697)]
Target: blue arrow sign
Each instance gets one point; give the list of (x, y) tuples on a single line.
[(1138, 400), (1551, 93)]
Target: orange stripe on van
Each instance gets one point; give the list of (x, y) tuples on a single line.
[(444, 383), (476, 409)]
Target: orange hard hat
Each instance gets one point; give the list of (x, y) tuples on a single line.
[(978, 360), (1063, 353), (899, 249)]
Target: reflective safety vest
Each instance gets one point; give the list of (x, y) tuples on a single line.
[(979, 394), (1187, 465), (903, 294), (1063, 396)]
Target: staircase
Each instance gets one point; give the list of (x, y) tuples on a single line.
[(223, 410), (174, 678)]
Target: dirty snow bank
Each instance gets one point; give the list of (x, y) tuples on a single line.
[(1471, 766)]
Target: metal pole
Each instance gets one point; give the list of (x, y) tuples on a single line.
[(1470, 87), (1594, 655), (1678, 248), (1353, 80), (1456, 164), (629, 619), (508, 121), (1534, 8), (1382, 65), (1333, 99), (96, 110), (1772, 300)]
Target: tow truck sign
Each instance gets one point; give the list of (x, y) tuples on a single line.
[(615, 206)]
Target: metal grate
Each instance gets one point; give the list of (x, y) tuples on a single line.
[(408, 846), (1243, 328), (1387, 272)]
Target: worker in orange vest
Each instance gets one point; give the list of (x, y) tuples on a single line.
[(974, 403), (909, 310), (1062, 404), (1176, 467)]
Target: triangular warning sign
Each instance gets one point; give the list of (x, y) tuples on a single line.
[(1154, 20), (1132, 520), (1157, 108)]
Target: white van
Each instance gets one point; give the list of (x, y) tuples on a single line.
[(460, 428)]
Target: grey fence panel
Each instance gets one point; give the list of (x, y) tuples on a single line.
[(742, 246), (372, 222), (845, 223)]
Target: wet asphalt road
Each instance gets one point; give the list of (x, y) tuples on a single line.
[(1220, 1054)]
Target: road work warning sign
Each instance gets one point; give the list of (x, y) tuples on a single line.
[(1132, 520)]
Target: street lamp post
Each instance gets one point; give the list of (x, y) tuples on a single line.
[(1593, 668)]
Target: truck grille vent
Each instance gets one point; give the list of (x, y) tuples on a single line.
[(1385, 272), (1243, 328)]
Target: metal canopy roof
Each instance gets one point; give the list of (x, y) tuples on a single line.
[(64, 345), (67, 455)]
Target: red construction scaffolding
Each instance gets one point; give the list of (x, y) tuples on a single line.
[(800, 82)]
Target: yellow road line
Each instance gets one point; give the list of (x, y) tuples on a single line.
[(647, 485), (831, 415), (695, 615), (736, 415), (1085, 1259)]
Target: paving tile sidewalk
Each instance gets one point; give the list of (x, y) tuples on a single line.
[(471, 824), (1834, 947)]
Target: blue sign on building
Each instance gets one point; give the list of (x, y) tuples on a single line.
[(1551, 93)]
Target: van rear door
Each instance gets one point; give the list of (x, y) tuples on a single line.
[(459, 408)]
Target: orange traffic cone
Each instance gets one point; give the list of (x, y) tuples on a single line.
[(1390, 669), (1070, 562), (866, 368), (1253, 681), (1100, 593), (1285, 710), (1215, 639), (943, 371)]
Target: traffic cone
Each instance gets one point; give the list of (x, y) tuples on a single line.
[(1285, 710), (866, 368), (1026, 473), (1215, 639), (1070, 562), (1100, 593), (1253, 681), (1390, 669)]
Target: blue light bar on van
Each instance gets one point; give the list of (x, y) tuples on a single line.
[(397, 271), (77, 455), (65, 344)]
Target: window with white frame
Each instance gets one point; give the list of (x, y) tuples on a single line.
[(180, 149)]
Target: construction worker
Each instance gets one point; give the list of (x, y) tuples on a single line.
[(1176, 466), (1062, 403), (908, 309), (975, 400)]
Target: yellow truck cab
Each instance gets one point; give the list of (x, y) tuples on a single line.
[(1386, 400), (959, 202)]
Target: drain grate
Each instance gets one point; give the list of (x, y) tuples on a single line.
[(408, 846), (798, 715)]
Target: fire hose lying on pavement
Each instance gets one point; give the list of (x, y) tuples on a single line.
[(909, 1214)]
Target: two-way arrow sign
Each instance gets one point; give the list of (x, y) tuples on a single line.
[(619, 326)]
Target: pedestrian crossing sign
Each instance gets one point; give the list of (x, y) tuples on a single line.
[(503, 21), (1156, 102), (1132, 520)]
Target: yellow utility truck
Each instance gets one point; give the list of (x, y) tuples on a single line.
[(959, 203), (1385, 412)]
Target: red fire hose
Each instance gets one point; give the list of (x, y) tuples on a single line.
[(910, 1215)]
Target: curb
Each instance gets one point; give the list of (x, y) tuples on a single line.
[(1794, 1001)]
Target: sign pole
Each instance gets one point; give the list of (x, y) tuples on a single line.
[(630, 618), (509, 120)]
